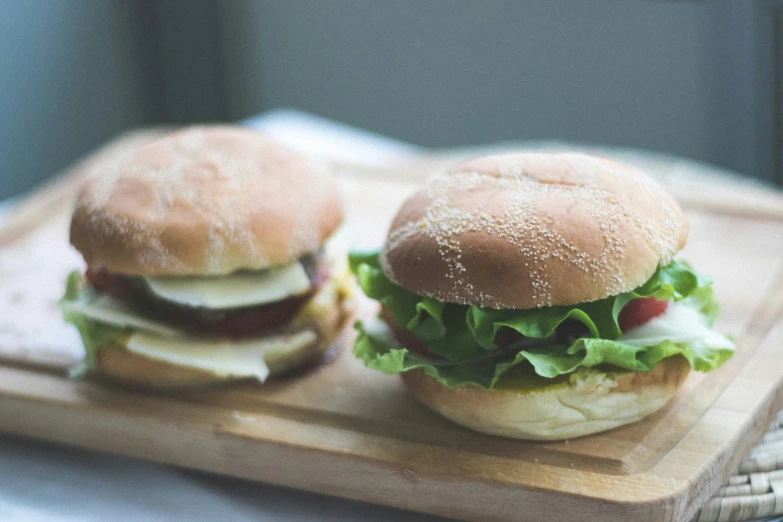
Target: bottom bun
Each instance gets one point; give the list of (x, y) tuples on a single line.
[(326, 315), (585, 402)]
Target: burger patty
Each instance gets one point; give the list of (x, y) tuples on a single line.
[(251, 321)]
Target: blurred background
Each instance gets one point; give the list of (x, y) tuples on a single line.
[(700, 79)]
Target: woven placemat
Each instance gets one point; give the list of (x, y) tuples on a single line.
[(755, 490)]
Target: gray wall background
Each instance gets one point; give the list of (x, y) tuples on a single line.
[(689, 78), (72, 73)]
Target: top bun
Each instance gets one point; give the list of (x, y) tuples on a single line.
[(532, 229), (205, 201)]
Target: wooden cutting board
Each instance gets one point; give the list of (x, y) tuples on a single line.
[(347, 431)]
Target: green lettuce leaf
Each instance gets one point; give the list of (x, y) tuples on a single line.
[(93, 333), (463, 338)]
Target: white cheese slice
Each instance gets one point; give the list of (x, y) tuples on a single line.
[(679, 324), (222, 357), (234, 290), (335, 250), (111, 311)]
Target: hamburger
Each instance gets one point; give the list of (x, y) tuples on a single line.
[(535, 296), (209, 259)]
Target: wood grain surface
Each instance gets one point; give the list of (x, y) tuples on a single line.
[(348, 431)]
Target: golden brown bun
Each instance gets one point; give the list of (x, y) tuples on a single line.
[(532, 229), (327, 314), (587, 402), (205, 200), (114, 362)]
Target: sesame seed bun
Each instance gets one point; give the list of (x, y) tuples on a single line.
[(532, 229), (204, 201), (580, 404)]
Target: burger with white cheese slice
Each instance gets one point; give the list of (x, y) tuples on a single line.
[(535, 296), (208, 259)]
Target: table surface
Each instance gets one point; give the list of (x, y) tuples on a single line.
[(42, 482)]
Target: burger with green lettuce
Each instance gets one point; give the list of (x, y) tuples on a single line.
[(210, 259), (536, 296)]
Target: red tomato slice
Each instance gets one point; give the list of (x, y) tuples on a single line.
[(108, 283), (639, 311)]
